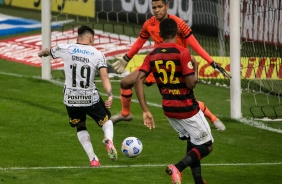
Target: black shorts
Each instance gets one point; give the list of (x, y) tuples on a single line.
[(97, 111)]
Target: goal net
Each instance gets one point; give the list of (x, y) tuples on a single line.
[(261, 51), (117, 24)]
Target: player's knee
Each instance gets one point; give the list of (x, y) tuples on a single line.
[(127, 83), (210, 148), (209, 144), (122, 82)]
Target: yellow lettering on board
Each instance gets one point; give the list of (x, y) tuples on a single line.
[(73, 7)]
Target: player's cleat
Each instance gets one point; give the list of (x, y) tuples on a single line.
[(118, 117), (219, 125), (112, 152), (176, 176), (204, 182), (94, 163)]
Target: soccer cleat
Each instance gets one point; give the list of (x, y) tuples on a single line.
[(118, 117), (219, 125), (94, 163), (112, 152), (176, 176)]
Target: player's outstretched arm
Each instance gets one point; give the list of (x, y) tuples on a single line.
[(194, 44), (147, 116), (121, 63), (220, 69)]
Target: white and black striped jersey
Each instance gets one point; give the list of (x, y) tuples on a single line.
[(80, 65)]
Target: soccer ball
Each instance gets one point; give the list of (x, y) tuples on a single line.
[(131, 147)]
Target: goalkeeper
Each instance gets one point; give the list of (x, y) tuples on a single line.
[(149, 29)]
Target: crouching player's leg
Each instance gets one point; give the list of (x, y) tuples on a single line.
[(126, 85), (213, 119)]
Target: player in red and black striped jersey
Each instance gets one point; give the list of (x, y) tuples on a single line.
[(149, 29), (168, 64), (176, 75)]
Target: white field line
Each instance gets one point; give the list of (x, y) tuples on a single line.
[(250, 122), (258, 124), (137, 166)]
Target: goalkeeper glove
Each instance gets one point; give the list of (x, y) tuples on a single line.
[(220, 69), (121, 63)]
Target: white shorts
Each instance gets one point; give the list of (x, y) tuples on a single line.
[(196, 127)]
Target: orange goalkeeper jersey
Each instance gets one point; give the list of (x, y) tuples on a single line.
[(151, 28), (185, 37)]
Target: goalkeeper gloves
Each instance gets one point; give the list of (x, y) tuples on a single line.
[(220, 69), (121, 63)]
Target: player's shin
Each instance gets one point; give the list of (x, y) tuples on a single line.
[(84, 139), (197, 172), (108, 129), (196, 154)]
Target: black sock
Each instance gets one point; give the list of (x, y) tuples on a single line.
[(185, 162), (182, 165), (196, 172), (196, 154)]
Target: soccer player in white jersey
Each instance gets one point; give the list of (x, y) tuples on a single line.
[(81, 97)]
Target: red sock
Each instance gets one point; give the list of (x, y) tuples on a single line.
[(207, 112), (125, 98)]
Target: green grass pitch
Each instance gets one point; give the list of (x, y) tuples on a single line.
[(37, 145)]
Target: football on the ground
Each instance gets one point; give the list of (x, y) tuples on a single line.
[(131, 147)]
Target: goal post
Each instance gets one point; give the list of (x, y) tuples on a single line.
[(46, 38), (235, 55), (242, 36)]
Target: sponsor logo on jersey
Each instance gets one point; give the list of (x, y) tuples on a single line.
[(75, 50), (174, 91), (79, 99)]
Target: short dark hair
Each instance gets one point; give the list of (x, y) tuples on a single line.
[(164, 1), (85, 29), (168, 28)]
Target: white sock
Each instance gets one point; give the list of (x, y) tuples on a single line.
[(84, 139), (108, 129)]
